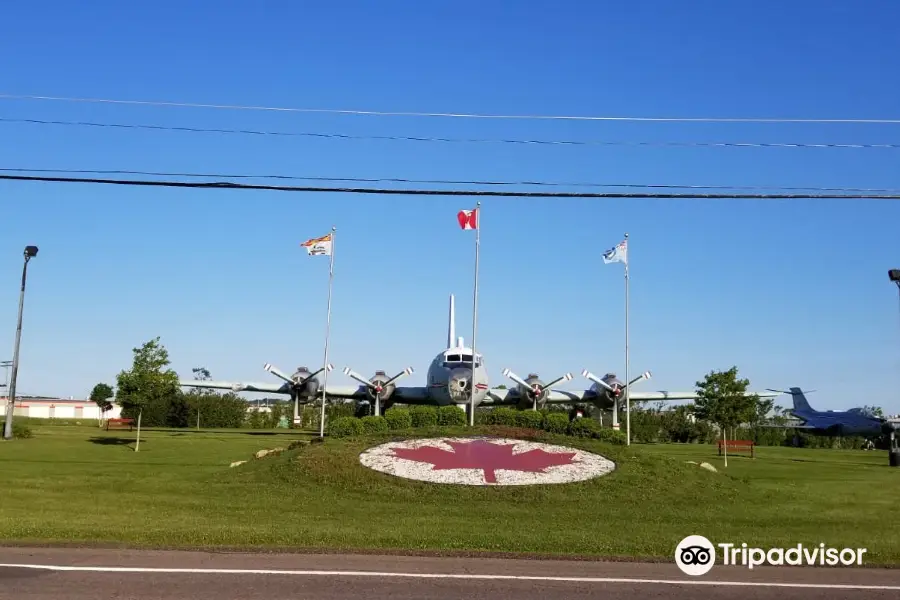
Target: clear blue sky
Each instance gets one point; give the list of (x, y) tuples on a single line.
[(792, 292)]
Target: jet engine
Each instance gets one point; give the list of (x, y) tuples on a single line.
[(533, 392)]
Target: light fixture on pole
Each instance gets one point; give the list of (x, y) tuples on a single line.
[(30, 252)]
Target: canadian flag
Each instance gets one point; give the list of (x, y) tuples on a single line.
[(468, 219)]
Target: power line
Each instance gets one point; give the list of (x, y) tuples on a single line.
[(430, 192), (443, 181), (442, 139), (447, 115)]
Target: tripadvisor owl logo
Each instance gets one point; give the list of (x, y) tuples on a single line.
[(695, 555)]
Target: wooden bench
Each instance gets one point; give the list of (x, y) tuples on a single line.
[(737, 445), (120, 423)]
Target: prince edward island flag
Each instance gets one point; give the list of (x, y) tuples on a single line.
[(617, 254)]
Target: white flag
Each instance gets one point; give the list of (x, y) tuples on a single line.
[(318, 246), (617, 254)]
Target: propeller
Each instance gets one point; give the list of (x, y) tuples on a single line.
[(379, 387), (613, 386), (533, 388), (303, 382)]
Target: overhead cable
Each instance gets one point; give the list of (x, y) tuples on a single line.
[(431, 192), (441, 139), (457, 115), (442, 181)]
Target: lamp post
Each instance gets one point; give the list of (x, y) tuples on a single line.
[(894, 275), (30, 252), (893, 450)]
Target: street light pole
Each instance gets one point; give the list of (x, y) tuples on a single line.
[(894, 275), (30, 252)]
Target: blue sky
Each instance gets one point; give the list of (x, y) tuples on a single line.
[(793, 292)]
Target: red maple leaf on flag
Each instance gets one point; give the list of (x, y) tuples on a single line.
[(486, 456)]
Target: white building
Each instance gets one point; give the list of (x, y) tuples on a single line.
[(58, 408)]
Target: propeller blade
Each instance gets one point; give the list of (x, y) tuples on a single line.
[(566, 377), (406, 371), (510, 375), (354, 375), (641, 377), (277, 372), (591, 377)]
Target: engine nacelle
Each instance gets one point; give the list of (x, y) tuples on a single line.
[(529, 395), (383, 391), (310, 388), (605, 398)]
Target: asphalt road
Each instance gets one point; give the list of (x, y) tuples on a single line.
[(88, 574)]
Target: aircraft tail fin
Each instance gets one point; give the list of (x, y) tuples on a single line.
[(799, 399), (451, 325)]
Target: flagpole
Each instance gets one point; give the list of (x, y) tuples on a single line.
[(475, 310), (627, 379), (327, 334)]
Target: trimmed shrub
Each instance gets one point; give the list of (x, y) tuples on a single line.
[(451, 416), (345, 427), (424, 416), (556, 423), (502, 415), (583, 427), (530, 419), (610, 436), (398, 418), (373, 424)]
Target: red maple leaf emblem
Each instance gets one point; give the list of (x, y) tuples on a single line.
[(487, 456)]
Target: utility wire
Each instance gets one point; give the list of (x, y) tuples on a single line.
[(449, 115), (443, 181), (442, 139), (430, 192)]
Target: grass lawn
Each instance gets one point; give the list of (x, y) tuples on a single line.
[(81, 484)]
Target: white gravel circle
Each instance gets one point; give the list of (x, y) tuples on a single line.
[(581, 466)]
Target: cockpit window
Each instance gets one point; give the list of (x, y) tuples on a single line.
[(452, 361)]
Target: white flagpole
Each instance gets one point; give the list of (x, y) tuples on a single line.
[(327, 334), (627, 379), (475, 310)]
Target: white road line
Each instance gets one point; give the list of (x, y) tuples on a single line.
[(383, 574)]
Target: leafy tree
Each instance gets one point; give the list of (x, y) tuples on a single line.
[(100, 396), (722, 400), (148, 385), (874, 410), (201, 374)]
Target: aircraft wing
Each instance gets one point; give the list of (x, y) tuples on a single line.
[(501, 397), (404, 395), (235, 386)]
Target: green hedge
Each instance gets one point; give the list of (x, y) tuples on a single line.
[(398, 419)]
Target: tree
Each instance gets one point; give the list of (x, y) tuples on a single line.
[(722, 400), (100, 395), (874, 411), (148, 382), (201, 374)]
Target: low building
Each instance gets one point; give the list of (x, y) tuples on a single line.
[(58, 408)]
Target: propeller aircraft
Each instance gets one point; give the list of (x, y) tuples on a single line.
[(452, 379)]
